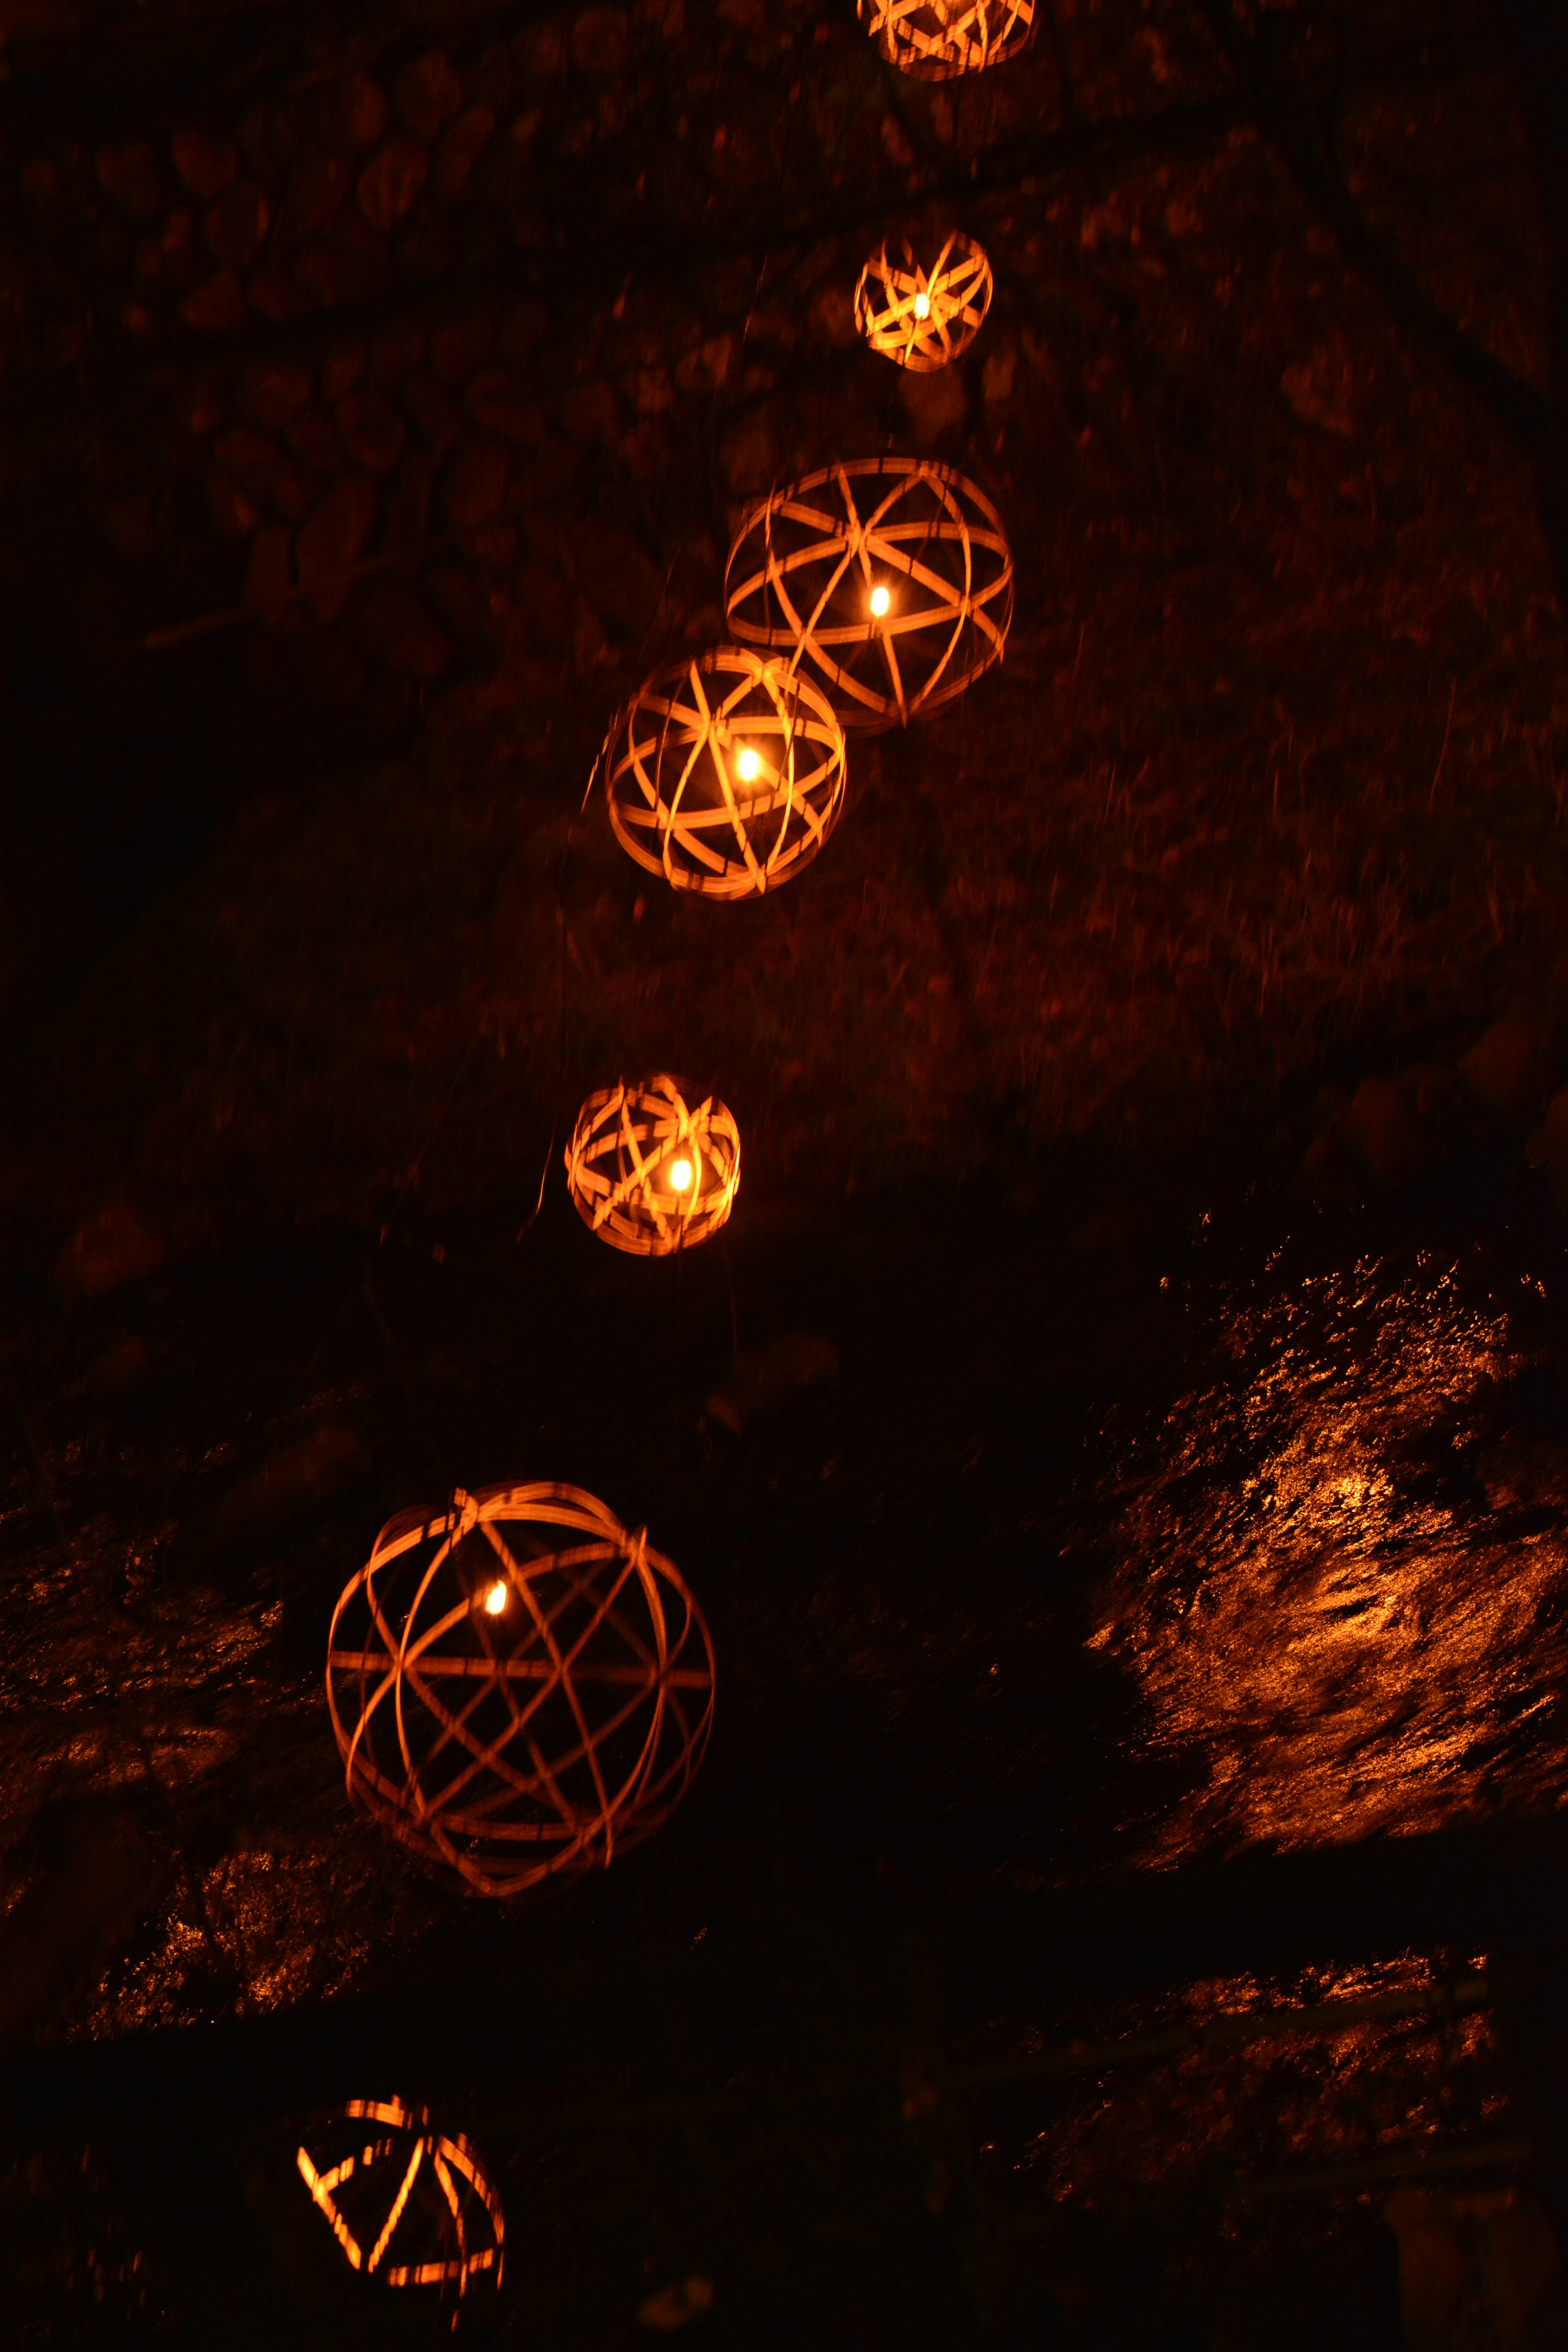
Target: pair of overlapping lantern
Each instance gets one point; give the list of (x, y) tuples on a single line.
[(863, 596)]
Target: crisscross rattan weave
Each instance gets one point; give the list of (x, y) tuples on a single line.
[(935, 40), (923, 317), (890, 577), (517, 1685), (411, 2206), (650, 1172), (725, 775)]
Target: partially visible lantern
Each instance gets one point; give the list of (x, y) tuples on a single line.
[(935, 40), (409, 2205), (890, 578), (650, 1172), (725, 775), (923, 317), (518, 1686)]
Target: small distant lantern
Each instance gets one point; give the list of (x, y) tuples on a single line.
[(407, 2204), (935, 40), (650, 1172), (725, 775), (517, 1685), (890, 577), (923, 317)]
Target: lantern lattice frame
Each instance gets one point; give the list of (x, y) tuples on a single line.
[(630, 1140), (937, 40), (808, 562), (454, 2164), (509, 1743), (676, 765), (955, 292)]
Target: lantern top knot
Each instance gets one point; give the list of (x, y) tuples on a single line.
[(725, 775), (936, 40), (923, 317), (649, 1171), (519, 1685), (890, 579)]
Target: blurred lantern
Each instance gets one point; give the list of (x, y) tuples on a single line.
[(923, 317), (892, 577), (725, 775), (407, 2205), (650, 1173), (936, 39), (517, 1685)]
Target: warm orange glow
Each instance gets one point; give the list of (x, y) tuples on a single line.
[(922, 306), (495, 1598), (880, 600), (680, 1175), (748, 765)]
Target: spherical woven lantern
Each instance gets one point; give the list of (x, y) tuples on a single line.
[(890, 578), (517, 1685), (935, 40), (725, 775), (649, 1172), (923, 317), (407, 2205)]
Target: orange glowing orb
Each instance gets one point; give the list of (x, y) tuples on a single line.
[(748, 766), (880, 600), (680, 1175), (495, 1598), (922, 304)]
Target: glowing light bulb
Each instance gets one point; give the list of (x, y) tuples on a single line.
[(880, 600), (680, 1175), (922, 306), (495, 1598), (748, 766)]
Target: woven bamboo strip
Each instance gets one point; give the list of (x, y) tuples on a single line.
[(509, 1705), (725, 775), (924, 319), (890, 577), (936, 40), (465, 2218), (650, 1173)]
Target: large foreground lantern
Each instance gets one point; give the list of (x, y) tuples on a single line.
[(890, 579), (934, 40), (519, 1685), (409, 2205), (651, 1171), (923, 317), (725, 775)]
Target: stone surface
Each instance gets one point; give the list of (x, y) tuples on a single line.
[(301, 1478), (108, 1252), (1508, 1068), (317, 192), (132, 175), (391, 182), (206, 163), (461, 348), (218, 308), (357, 114), (473, 486), (428, 94), (331, 542), (273, 391), (238, 223), (371, 432), (462, 145)]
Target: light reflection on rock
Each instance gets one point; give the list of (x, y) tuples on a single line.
[(1312, 1592)]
